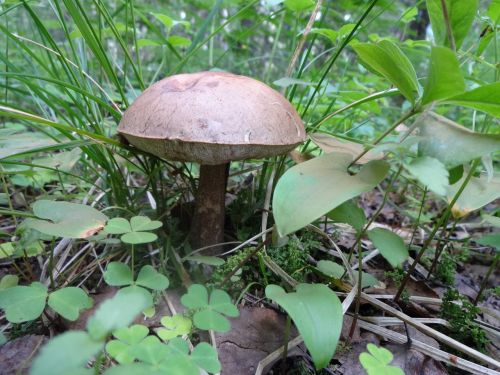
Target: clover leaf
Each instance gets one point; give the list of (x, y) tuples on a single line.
[(68, 302), (209, 314), (136, 231), (119, 274), (377, 361), (124, 348), (176, 325), (23, 303)]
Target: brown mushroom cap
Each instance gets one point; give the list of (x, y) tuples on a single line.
[(212, 118)]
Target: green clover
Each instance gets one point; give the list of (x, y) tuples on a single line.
[(176, 325), (136, 231)]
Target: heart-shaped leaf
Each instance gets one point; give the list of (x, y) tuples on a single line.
[(68, 302), (118, 311), (70, 220), (75, 347), (204, 356), (136, 238), (311, 189), (317, 312), (451, 143), (150, 278), (209, 314), (176, 325), (377, 361), (118, 274), (144, 223), (117, 225), (390, 245), (124, 348), (23, 303)]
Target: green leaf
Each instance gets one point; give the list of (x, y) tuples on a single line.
[(23, 303), (390, 245), (329, 33), (494, 11), (492, 240), (144, 223), (70, 220), (445, 78), (317, 313), (461, 15), (176, 41), (147, 42), (336, 271), (312, 189), (209, 314), (349, 213), (150, 278), (204, 356), (484, 98), (8, 281), (117, 225), (205, 259), (118, 274), (377, 361), (298, 5), (329, 143), (493, 220), (478, 193), (451, 143), (164, 19), (68, 302), (287, 81), (135, 238), (118, 311), (386, 59), (176, 325), (66, 354), (430, 172), (128, 339)]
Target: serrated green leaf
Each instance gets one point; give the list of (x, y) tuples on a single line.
[(23, 303), (152, 279), (311, 189), (118, 274), (317, 313), (386, 59), (390, 245), (68, 302)]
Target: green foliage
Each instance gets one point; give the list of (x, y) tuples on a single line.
[(64, 219), (461, 314), (430, 172), (314, 188), (135, 231), (174, 326), (24, 303), (377, 361), (209, 312), (385, 58), (336, 271), (317, 312), (128, 339), (390, 245), (349, 213), (119, 274)]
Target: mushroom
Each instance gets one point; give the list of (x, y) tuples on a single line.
[(211, 118)]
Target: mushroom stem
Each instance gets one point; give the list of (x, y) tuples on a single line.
[(208, 220)]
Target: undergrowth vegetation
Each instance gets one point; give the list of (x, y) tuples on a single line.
[(395, 187)]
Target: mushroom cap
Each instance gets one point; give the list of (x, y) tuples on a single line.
[(212, 118)]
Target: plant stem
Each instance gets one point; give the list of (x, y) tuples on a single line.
[(493, 266), (443, 219), (403, 118), (132, 260), (285, 345)]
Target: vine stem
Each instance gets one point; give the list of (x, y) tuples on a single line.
[(443, 219), (493, 266), (403, 118)]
